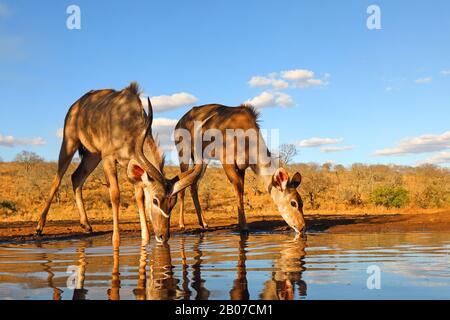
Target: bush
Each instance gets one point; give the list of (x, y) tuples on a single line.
[(389, 197), (431, 197), (9, 205)]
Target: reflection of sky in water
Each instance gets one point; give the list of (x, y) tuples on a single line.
[(224, 266)]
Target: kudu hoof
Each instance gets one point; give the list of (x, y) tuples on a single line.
[(86, 228)]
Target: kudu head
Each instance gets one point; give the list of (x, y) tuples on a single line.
[(283, 191), (160, 194)]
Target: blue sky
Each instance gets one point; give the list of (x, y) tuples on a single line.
[(372, 96)]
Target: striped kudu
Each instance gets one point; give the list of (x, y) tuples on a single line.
[(236, 157), (112, 127)]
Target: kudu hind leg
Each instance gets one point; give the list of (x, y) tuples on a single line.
[(237, 178), (88, 164), (183, 168), (195, 199), (68, 149)]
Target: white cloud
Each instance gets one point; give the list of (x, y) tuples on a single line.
[(259, 81), (297, 78), (302, 78), (60, 133), (283, 99), (336, 149), (317, 142), (445, 72), (271, 99), (298, 74), (10, 141), (424, 80), (440, 158), (162, 130), (422, 144), (174, 101)]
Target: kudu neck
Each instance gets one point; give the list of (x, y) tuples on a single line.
[(266, 173)]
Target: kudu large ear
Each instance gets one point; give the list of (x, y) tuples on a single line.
[(136, 173), (296, 180), (280, 179)]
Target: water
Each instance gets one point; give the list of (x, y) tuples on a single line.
[(230, 266)]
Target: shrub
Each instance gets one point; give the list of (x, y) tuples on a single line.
[(431, 197), (9, 205), (389, 197)]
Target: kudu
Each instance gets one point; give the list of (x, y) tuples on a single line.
[(112, 127), (236, 158)]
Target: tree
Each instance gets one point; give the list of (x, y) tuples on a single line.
[(389, 197), (315, 182), (1, 160), (28, 158), (287, 153)]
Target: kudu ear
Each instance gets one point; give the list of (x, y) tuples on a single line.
[(296, 180), (136, 173), (280, 179)]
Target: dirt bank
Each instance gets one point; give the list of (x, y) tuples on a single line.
[(24, 231)]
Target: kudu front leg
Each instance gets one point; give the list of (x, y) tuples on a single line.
[(198, 208), (181, 221), (140, 200), (183, 168), (114, 192)]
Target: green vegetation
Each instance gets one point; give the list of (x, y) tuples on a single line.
[(389, 197), (366, 187)]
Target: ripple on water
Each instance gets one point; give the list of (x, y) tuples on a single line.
[(228, 265)]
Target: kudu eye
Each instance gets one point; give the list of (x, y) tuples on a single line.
[(294, 204), (156, 202)]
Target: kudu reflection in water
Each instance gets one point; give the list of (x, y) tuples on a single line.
[(156, 279), (288, 272), (79, 293), (240, 285), (160, 282), (47, 265)]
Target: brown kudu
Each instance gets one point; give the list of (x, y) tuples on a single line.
[(236, 158), (112, 127)]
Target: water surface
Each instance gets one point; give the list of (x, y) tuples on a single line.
[(230, 266)]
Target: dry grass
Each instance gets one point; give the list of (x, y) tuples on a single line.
[(335, 190)]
